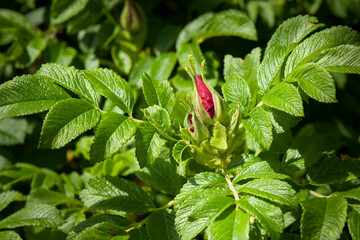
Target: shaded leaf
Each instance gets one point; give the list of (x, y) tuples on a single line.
[(160, 225)]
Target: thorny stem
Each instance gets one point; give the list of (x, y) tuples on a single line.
[(232, 188)]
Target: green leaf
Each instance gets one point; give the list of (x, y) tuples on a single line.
[(162, 66), (352, 194), (140, 67), (285, 97), (112, 86), (158, 93), (67, 120), (200, 210), (160, 118), (122, 60), (160, 226), (251, 65), (182, 152), (112, 133), (9, 196), (162, 176), (315, 81), (12, 131), (62, 11), (70, 78), (33, 215), (219, 137), (354, 223), (44, 196), (233, 65), (28, 94), (148, 144), (274, 190), (236, 90), (226, 23), (323, 218), (231, 224), (258, 170), (12, 21), (344, 58), (115, 193), (32, 50), (269, 215), (259, 126), (10, 235), (102, 231), (317, 43)]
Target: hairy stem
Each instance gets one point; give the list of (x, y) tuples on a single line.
[(232, 188)]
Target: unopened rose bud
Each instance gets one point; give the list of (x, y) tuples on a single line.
[(130, 17)]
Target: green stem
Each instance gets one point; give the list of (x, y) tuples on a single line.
[(232, 188), (317, 194)]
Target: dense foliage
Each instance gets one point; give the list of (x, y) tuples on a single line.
[(179, 120)]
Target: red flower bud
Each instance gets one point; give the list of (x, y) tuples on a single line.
[(205, 96), (191, 123)]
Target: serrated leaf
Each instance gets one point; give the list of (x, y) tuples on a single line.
[(285, 97), (102, 231), (160, 118), (258, 170), (352, 194), (67, 120), (148, 144), (198, 182), (316, 82), (319, 42), (158, 93), (112, 86), (259, 126), (236, 90), (233, 65), (117, 194), (344, 58), (12, 131), (9, 196), (353, 224), (251, 64), (272, 189), (323, 218), (44, 196), (70, 78), (200, 210), (113, 132), (62, 11), (162, 176), (33, 215), (160, 225), (28, 94), (269, 215), (182, 152), (226, 23), (10, 235), (139, 233), (231, 224)]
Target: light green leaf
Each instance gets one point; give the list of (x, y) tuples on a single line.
[(112, 86), (200, 210), (323, 218), (117, 194), (197, 183), (44, 196), (160, 226), (272, 189), (233, 65), (33, 49), (182, 152), (352, 194), (122, 60), (353, 224), (162, 66), (231, 224), (148, 144), (10, 235), (319, 42), (226, 23), (219, 137), (140, 67), (12, 131), (259, 126), (236, 90), (70, 78), (269, 215), (251, 65), (162, 176), (285, 97), (62, 11), (113, 132), (28, 94), (67, 120), (33, 215), (315, 81), (12, 21), (258, 170), (344, 58), (160, 118), (9, 196), (158, 93), (59, 52)]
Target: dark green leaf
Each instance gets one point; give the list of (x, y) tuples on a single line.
[(10, 235), (13, 131), (354, 223), (62, 11), (67, 120), (102, 231), (323, 218), (7, 197), (160, 226), (44, 196), (117, 194)]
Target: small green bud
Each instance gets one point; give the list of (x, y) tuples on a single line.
[(130, 17)]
